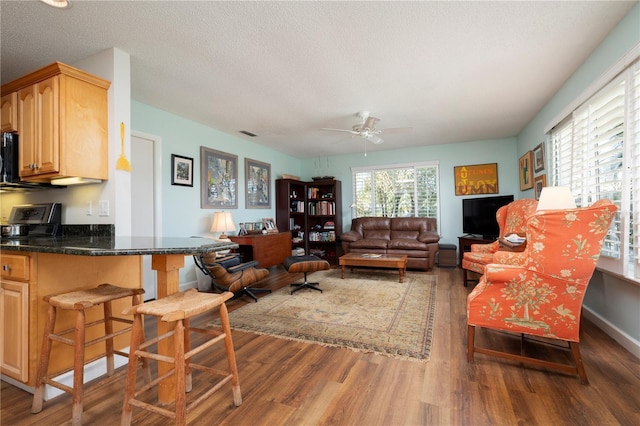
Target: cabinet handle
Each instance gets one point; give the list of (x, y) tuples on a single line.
[(6, 268)]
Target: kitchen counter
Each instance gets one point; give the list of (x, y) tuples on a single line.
[(115, 246), (37, 266)]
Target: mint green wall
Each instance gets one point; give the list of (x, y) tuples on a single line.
[(502, 151), (613, 303), (181, 212)]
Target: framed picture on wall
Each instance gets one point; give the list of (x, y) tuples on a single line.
[(219, 178), (525, 169), (257, 184), (538, 158), (181, 170), (540, 182)]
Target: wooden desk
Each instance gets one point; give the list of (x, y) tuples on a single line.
[(465, 242), (268, 249)]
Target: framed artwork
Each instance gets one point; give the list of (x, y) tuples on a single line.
[(269, 224), (181, 170), (257, 184), (525, 168), (540, 182), (476, 179), (538, 158), (219, 177)]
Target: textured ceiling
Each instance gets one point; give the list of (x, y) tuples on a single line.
[(453, 71)]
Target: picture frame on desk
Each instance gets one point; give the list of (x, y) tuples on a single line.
[(270, 225)]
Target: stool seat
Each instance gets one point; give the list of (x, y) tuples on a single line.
[(305, 264), (179, 306), (85, 299)]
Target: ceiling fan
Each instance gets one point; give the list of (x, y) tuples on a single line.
[(367, 130)]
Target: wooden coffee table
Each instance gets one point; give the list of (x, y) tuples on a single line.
[(398, 262)]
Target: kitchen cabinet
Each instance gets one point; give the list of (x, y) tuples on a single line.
[(9, 112), (14, 316), (62, 115)]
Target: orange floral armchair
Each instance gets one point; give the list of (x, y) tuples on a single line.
[(543, 295), (511, 220)]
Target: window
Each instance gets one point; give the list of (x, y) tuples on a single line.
[(407, 190), (596, 152)]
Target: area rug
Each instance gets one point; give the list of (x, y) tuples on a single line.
[(367, 311)]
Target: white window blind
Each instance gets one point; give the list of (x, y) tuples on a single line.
[(595, 152)]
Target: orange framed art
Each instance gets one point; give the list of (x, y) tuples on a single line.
[(525, 168), (476, 179)]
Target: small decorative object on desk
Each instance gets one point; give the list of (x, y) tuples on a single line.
[(269, 224), (515, 239)]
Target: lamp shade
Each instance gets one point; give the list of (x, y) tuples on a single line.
[(556, 198), (223, 222)]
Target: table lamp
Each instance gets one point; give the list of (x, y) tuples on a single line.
[(556, 198), (222, 222)]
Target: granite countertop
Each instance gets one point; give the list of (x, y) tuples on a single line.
[(115, 246)]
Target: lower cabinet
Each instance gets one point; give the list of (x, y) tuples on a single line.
[(14, 317)]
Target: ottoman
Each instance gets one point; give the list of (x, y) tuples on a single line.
[(305, 264)]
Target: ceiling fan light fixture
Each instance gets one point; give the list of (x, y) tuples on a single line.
[(58, 4)]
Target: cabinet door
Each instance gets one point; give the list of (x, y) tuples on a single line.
[(48, 95), (28, 130), (14, 323), (9, 112)]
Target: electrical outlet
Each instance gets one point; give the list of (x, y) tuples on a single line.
[(89, 209), (104, 207)]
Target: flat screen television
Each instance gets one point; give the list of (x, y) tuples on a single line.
[(479, 215)]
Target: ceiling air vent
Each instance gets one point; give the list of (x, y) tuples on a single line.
[(245, 132)]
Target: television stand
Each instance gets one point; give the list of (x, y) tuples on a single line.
[(465, 242)]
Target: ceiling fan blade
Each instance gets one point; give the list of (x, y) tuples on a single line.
[(397, 130), (340, 130), (370, 123)]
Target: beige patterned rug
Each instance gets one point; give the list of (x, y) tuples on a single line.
[(367, 311)]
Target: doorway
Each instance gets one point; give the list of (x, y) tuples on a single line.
[(146, 214)]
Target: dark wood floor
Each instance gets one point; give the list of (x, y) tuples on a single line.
[(292, 383)]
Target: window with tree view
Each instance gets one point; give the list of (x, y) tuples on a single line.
[(408, 190)]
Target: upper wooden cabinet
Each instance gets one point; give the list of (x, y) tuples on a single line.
[(9, 112), (62, 122)]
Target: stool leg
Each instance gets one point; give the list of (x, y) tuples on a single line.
[(78, 369), (187, 348), (181, 398), (108, 331), (231, 356), (146, 369), (137, 338), (43, 366)]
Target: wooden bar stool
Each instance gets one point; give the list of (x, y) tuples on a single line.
[(80, 301), (179, 307)]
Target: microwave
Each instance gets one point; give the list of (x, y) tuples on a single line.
[(9, 161)]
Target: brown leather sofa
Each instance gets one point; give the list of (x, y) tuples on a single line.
[(417, 237)]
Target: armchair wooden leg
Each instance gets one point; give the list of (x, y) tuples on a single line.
[(577, 359), (464, 276), (471, 334)]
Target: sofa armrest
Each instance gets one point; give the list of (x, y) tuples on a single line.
[(351, 236), (428, 237)]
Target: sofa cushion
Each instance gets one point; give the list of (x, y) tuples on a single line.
[(406, 244), (368, 243)]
